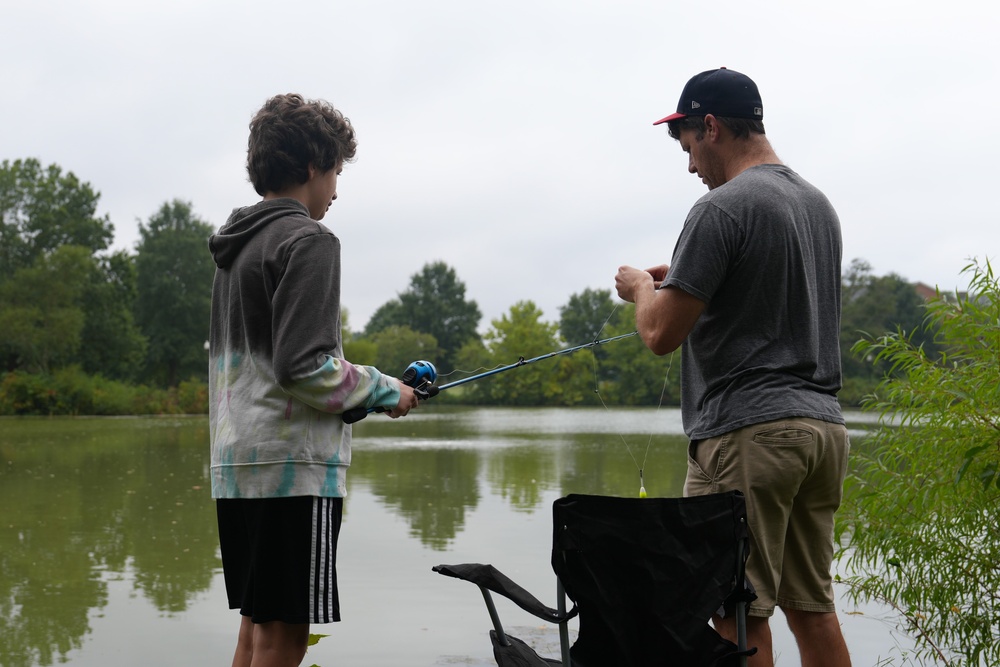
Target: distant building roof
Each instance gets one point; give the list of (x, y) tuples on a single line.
[(927, 293)]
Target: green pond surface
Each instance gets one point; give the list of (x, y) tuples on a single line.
[(109, 554)]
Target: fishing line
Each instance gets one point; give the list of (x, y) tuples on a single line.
[(597, 390)]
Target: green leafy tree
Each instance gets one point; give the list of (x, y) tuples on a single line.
[(41, 318), (434, 304), (111, 343), (42, 209), (174, 272), (522, 334), (357, 348), (874, 305), (472, 358), (43, 213), (921, 512), (361, 351), (389, 314), (572, 379), (397, 347), (630, 374), (345, 324), (583, 317)]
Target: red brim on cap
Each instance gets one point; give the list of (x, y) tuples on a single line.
[(673, 116)]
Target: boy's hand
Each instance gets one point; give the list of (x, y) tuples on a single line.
[(407, 401)]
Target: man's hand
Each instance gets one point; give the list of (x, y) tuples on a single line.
[(659, 274), (663, 317), (629, 280)]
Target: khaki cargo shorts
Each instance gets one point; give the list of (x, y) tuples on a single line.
[(792, 474)]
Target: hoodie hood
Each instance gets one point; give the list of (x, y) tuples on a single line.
[(246, 222)]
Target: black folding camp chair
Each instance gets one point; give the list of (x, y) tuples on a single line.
[(645, 576)]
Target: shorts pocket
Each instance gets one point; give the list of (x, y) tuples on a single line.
[(784, 437), (694, 468), (706, 458)]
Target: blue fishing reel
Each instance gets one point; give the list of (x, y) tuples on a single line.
[(419, 374)]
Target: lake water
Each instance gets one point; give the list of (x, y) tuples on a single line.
[(109, 555)]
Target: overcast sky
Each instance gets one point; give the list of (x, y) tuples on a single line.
[(514, 140)]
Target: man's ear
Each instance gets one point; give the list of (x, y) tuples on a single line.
[(713, 128), (312, 171)]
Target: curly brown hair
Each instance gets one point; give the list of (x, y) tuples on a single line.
[(288, 134)]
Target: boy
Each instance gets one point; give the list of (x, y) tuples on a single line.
[(278, 382)]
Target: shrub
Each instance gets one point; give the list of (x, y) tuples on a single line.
[(26, 394), (73, 392), (112, 398), (192, 397), (70, 391), (921, 513)]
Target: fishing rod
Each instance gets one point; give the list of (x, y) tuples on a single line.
[(421, 375)]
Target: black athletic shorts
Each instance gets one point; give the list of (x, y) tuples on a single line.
[(279, 557)]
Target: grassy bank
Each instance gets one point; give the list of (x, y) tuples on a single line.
[(70, 391)]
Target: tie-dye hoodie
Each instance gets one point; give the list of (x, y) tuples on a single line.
[(277, 377)]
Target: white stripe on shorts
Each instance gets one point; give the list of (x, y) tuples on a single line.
[(323, 573)]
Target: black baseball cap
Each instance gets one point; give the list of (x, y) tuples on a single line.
[(720, 92)]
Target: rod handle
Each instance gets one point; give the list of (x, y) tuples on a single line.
[(357, 414)]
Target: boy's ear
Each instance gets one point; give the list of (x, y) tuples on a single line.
[(312, 171)]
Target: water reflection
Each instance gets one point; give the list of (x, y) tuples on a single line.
[(431, 488), (427, 468), (84, 498), (95, 505)]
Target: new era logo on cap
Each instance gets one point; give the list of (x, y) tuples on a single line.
[(720, 92)]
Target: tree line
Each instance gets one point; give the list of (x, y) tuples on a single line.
[(87, 330)]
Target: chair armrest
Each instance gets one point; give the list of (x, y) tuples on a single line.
[(487, 576)]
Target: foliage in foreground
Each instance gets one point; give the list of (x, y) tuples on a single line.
[(921, 515)]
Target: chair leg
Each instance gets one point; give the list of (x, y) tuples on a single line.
[(563, 626), (741, 610), (741, 631), (495, 617)]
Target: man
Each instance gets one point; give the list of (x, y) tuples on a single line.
[(752, 297), (279, 382)]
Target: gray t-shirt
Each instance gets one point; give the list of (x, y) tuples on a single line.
[(763, 252)]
